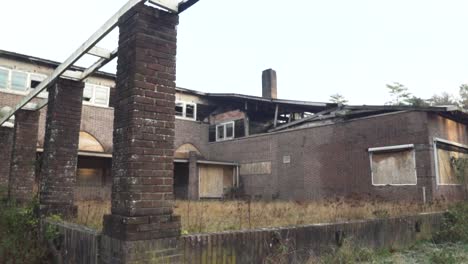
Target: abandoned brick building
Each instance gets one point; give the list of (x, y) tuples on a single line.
[(266, 147)]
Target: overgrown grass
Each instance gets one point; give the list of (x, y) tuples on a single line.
[(216, 216), (19, 234)]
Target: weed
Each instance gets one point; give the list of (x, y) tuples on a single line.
[(455, 225)]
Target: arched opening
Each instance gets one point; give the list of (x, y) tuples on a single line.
[(88, 142), (183, 151)]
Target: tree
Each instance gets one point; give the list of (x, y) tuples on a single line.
[(338, 99), (464, 96), (417, 101), (443, 99), (399, 94)]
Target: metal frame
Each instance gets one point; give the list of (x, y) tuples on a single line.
[(89, 47)]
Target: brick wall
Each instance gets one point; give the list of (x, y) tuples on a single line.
[(195, 133), (6, 143), (23, 158), (97, 121), (331, 160), (60, 157), (443, 128)]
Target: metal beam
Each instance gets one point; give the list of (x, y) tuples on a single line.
[(83, 49), (100, 52), (170, 5), (89, 47)]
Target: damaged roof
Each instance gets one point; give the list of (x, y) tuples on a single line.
[(349, 112)]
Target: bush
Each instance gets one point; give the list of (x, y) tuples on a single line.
[(19, 234), (455, 225)]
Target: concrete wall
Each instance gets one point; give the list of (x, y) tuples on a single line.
[(332, 160), (255, 246)]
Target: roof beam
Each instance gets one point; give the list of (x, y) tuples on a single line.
[(100, 52)]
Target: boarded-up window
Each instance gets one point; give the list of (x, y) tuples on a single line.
[(393, 166), (452, 163), (214, 179)]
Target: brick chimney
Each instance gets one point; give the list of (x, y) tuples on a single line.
[(269, 84)]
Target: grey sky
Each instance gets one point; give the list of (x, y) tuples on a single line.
[(317, 47)]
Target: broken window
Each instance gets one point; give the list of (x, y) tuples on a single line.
[(451, 162), (185, 110), (220, 132), (395, 165), (4, 78), (35, 80), (225, 131), (19, 81), (179, 109), (190, 111)]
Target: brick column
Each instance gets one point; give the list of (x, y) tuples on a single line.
[(193, 191), (60, 157), (142, 225), (6, 144), (23, 157)]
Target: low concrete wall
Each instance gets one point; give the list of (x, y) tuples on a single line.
[(80, 245)]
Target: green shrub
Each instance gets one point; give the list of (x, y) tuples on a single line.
[(455, 225), (19, 234)]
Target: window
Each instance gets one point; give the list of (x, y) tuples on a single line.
[(225, 131), (19, 81), (179, 109), (394, 165), (185, 110), (451, 162), (4, 75), (96, 94), (35, 80)]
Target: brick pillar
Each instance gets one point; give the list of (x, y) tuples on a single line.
[(6, 144), (23, 156), (60, 157), (143, 145), (193, 191)]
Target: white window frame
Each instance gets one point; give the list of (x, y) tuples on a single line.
[(92, 100), (436, 159), (9, 88), (184, 111), (225, 131), (393, 148)]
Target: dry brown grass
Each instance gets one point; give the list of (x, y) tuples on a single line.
[(215, 216)]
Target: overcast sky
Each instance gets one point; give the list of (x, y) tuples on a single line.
[(317, 47)]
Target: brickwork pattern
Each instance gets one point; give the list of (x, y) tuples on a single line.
[(60, 157), (193, 192), (142, 169), (6, 143), (332, 160), (23, 158)]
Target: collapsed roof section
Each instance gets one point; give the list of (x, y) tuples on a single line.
[(349, 112)]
